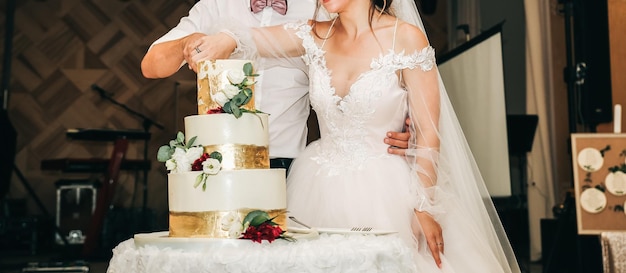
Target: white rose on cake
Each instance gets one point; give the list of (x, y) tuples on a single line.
[(230, 91), (194, 153), (220, 98), (236, 229), (184, 157), (227, 221), (170, 164), (181, 161), (211, 166), (235, 76), (231, 223)]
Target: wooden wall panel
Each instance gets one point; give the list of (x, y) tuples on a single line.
[(61, 48)]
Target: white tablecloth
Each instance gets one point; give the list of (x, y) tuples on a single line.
[(327, 253), (614, 251)]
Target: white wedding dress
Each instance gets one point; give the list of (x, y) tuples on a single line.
[(348, 179)]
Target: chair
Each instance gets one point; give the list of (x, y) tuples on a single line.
[(613, 251)]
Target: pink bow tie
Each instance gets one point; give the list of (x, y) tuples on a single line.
[(279, 6)]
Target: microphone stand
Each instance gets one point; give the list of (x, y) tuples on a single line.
[(146, 124)]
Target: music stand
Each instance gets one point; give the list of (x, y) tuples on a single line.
[(521, 133), (146, 124)]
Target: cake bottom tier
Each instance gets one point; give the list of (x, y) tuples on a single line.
[(218, 210)]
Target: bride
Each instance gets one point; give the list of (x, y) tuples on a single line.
[(370, 67)]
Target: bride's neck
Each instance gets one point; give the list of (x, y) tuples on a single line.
[(355, 21)]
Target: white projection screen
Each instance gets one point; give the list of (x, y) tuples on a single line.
[(474, 78)]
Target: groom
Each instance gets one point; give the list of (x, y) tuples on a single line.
[(281, 92)]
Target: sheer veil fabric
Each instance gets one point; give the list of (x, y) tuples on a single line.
[(442, 176), (458, 172)]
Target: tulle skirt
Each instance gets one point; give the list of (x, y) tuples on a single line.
[(377, 195)]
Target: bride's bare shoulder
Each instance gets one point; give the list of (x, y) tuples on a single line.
[(411, 37)]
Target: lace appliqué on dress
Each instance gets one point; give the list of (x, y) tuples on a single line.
[(344, 145), (303, 31), (424, 58)]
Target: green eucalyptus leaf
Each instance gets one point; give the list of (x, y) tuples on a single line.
[(248, 98), (198, 180), (164, 153), (191, 142), (235, 110), (239, 99), (180, 137), (216, 155), (227, 108), (259, 219), (204, 182), (247, 69), (253, 214), (247, 91)]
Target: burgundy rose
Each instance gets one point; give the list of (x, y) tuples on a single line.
[(215, 110), (264, 231), (197, 164)]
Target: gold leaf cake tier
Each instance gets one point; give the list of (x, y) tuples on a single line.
[(212, 78)]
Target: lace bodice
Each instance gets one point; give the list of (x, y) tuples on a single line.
[(353, 128)]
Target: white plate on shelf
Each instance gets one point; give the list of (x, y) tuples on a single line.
[(593, 200), (616, 183), (343, 231), (590, 159)]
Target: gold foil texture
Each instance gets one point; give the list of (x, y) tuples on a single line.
[(239, 156), (211, 80), (209, 223)]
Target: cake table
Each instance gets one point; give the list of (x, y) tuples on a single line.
[(323, 252)]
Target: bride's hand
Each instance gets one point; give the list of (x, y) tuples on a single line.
[(198, 47), (433, 233)]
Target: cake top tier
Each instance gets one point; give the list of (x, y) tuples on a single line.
[(226, 86)]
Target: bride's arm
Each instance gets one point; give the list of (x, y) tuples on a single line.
[(244, 42), (422, 84), (277, 42)]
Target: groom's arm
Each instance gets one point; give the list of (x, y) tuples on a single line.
[(398, 141)]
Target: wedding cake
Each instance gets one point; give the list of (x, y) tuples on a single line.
[(220, 183)]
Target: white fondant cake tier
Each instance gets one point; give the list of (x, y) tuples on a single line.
[(243, 142), (216, 129), (228, 190), (219, 209)]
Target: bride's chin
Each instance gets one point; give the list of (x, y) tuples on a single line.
[(328, 6)]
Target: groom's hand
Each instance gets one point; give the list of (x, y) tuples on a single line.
[(198, 47), (398, 141)]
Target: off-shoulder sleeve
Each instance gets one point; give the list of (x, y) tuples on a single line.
[(303, 30), (424, 59)]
